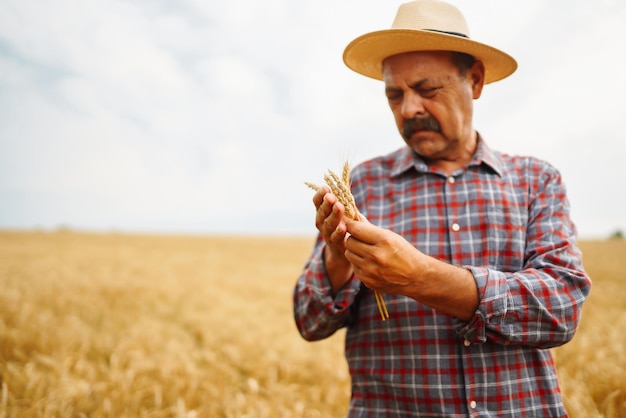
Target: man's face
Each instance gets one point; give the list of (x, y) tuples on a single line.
[(432, 102)]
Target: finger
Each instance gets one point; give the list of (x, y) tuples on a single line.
[(329, 218), (364, 231), (318, 197), (338, 236), (359, 266), (324, 206), (335, 214), (355, 250)]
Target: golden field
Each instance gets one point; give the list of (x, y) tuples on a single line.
[(113, 325)]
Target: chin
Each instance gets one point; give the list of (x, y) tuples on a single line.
[(426, 147)]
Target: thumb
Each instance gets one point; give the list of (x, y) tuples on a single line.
[(351, 224), (363, 230)]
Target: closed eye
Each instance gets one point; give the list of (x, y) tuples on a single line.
[(393, 94), (427, 92)]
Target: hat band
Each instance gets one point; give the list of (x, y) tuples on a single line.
[(448, 33)]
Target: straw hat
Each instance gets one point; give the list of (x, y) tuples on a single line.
[(424, 25)]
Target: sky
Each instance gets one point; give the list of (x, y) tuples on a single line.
[(206, 117)]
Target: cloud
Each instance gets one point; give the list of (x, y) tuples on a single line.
[(201, 116)]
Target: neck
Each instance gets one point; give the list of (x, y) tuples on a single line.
[(456, 157)]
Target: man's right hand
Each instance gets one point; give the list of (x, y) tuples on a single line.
[(329, 221)]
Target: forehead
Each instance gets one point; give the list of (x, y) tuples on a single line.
[(422, 64)]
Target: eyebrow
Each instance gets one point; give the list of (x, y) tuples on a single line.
[(419, 84), (415, 86)]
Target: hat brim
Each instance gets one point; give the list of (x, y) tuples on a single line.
[(366, 53)]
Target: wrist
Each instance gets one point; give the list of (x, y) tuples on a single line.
[(338, 269)]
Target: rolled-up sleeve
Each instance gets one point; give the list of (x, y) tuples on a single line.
[(318, 313), (539, 305)]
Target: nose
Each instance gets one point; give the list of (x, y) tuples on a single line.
[(412, 105)]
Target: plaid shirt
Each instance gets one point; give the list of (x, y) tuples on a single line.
[(506, 219)]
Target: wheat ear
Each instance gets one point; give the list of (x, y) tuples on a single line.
[(340, 187)]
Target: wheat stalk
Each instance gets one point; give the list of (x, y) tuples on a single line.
[(340, 187)]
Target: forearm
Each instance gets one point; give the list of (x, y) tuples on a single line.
[(447, 288), (319, 310)]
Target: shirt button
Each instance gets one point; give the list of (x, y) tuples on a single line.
[(473, 404), (451, 180), (467, 343), (456, 227)]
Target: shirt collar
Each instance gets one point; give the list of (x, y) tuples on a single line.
[(406, 159), (487, 156)]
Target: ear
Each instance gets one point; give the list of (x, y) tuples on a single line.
[(476, 76)]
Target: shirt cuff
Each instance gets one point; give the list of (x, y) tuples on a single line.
[(492, 291), (344, 298)]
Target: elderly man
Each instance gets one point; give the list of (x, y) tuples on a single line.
[(473, 250)]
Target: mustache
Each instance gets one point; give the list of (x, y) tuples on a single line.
[(420, 124)]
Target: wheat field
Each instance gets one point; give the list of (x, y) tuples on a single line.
[(115, 325)]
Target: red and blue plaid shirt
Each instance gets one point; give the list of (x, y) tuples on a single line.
[(506, 219)]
